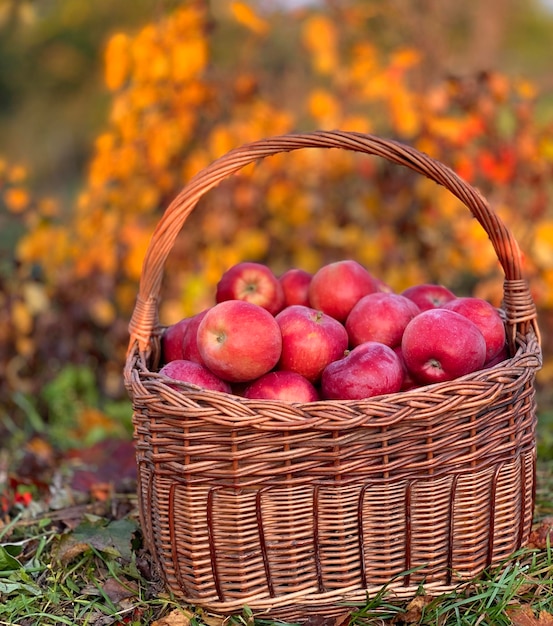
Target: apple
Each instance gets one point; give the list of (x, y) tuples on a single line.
[(382, 286), (370, 369), (380, 316), (408, 381), (282, 385), (190, 338), (440, 345), (501, 356), (295, 284), (486, 317), (251, 282), (171, 340), (239, 340), (336, 287), (194, 373), (311, 340), (428, 296)]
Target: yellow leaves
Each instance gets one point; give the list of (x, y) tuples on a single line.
[(35, 297), (149, 62), (364, 61), (188, 58), (15, 196), (246, 16), (135, 239), (162, 141), (48, 207), (47, 245), (356, 123), (405, 58), (324, 107), (174, 50), (320, 38), (220, 141), (22, 318), (22, 311), (404, 113), (479, 251), (542, 248), (117, 61), (526, 89), (447, 127), (16, 199), (143, 97), (16, 174), (252, 243), (103, 312)]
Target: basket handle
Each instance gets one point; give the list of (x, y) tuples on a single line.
[(518, 304)]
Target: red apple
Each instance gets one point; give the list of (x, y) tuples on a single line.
[(171, 340), (382, 286), (282, 385), (251, 282), (486, 317), (335, 288), (440, 345), (190, 338), (380, 316), (408, 381), (371, 369), (295, 284), (239, 341), (501, 356), (428, 296), (310, 340), (195, 373)]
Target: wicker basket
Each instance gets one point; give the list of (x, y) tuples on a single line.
[(294, 509)]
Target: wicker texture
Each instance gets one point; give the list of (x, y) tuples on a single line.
[(297, 508)]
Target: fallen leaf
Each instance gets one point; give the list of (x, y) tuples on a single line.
[(117, 591), (523, 615), (7, 561), (542, 535), (415, 609), (113, 538), (178, 617)]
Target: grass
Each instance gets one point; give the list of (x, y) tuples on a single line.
[(83, 564), (96, 573), (90, 575)]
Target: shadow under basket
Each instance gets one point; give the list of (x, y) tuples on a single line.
[(296, 509)]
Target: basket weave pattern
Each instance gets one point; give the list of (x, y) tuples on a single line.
[(294, 508)]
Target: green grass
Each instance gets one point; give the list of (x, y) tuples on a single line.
[(95, 573), (87, 575), (83, 564)]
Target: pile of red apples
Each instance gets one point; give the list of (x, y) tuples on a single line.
[(337, 334)]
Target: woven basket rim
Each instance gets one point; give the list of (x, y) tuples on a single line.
[(528, 356)]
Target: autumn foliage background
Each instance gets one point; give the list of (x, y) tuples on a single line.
[(184, 82)]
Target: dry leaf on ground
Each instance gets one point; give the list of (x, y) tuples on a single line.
[(415, 609), (540, 536), (178, 617), (523, 615)]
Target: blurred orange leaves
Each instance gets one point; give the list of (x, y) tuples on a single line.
[(245, 15), (177, 105)]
